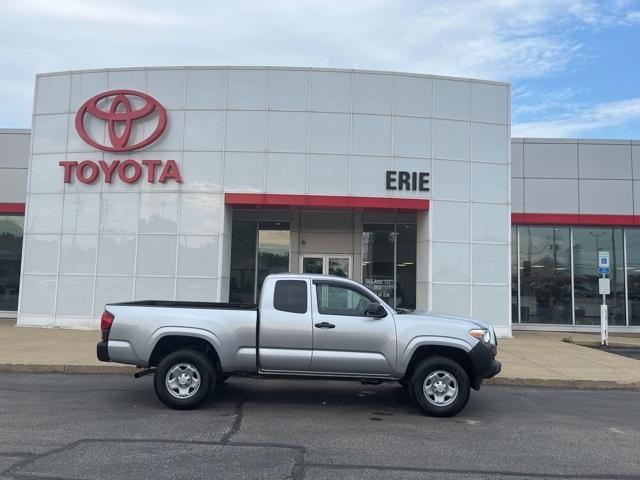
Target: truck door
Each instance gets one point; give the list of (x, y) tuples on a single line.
[(285, 329), (345, 339)]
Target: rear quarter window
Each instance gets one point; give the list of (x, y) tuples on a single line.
[(290, 296)]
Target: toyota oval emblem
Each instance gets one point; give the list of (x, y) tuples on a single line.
[(120, 115)]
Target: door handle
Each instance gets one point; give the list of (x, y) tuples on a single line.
[(325, 325)]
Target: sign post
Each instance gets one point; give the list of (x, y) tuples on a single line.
[(604, 288)]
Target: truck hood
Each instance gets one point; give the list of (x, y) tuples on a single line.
[(442, 317)]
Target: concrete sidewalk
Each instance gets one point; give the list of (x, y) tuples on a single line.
[(51, 350), (530, 358), (543, 358)]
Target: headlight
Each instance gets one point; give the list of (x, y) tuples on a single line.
[(481, 334)]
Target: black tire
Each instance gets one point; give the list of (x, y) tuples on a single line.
[(196, 366), (435, 403)]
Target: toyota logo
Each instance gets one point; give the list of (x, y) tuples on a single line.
[(120, 115)]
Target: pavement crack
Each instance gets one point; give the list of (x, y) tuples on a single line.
[(235, 427), (298, 470), (13, 470)]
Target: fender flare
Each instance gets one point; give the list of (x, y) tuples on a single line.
[(200, 333), (429, 340)]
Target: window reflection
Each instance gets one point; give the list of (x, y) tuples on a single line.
[(339, 266), (389, 262), (243, 262), (545, 275), (587, 242), (378, 259), (514, 274), (11, 228), (312, 265), (258, 249), (406, 238), (273, 250), (633, 272)]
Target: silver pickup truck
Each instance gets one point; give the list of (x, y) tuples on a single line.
[(304, 326)]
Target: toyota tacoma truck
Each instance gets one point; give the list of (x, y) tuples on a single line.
[(306, 326)]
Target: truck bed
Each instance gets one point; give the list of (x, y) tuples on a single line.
[(180, 304)]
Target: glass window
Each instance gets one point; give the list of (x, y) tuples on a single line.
[(378, 259), (312, 265), (338, 266), (389, 262), (406, 238), (258, 249), (243, 262), (587, 242), (273, 250), (633, 274), (545, 275), (341, 300), (11, 228), (290, 296), (514, 274)]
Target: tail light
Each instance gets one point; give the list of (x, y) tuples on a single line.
[(105, 324)]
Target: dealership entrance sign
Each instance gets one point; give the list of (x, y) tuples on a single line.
[(409, 181), (120, 114), (115, 109), (129, 171)]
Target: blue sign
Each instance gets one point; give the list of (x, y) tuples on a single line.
[(604, 270)]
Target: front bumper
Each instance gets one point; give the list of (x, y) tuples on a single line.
[(102, 352), (483, 357)]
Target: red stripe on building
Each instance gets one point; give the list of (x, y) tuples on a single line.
[(577, 219), (12, 208), (325, 201)]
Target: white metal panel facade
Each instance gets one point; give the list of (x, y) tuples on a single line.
[(262, 130)]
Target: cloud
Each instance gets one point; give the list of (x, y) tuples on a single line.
[(510, 40), (583, 121), (112, 12)]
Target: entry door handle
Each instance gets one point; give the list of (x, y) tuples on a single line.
[(325, 325)]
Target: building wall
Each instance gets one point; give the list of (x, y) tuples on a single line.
[(14, 158), (467, 234), (575, 177), (263, 130), (570, 199)]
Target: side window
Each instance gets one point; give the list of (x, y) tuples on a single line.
[(290, 296), (340, 300)]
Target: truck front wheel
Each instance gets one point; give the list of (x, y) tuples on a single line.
[(184, 379), (440, 387)]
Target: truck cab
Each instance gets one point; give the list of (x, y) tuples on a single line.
[(322, 325)]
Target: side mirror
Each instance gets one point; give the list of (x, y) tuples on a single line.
[(375, 310)]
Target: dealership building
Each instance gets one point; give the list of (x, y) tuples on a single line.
[(196, 183)]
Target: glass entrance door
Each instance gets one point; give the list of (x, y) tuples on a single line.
[(339, 265)]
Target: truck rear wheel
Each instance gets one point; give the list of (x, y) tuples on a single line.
[(184, 379), (440, 387)]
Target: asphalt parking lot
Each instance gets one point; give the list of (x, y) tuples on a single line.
[(113, 427)]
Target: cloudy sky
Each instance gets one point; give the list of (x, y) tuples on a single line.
[(574, 64)]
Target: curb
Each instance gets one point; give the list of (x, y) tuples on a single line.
[(564, 383), (509, 381), (70, 369)]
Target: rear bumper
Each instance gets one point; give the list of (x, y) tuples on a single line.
[(483, 356), (102, 352)]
